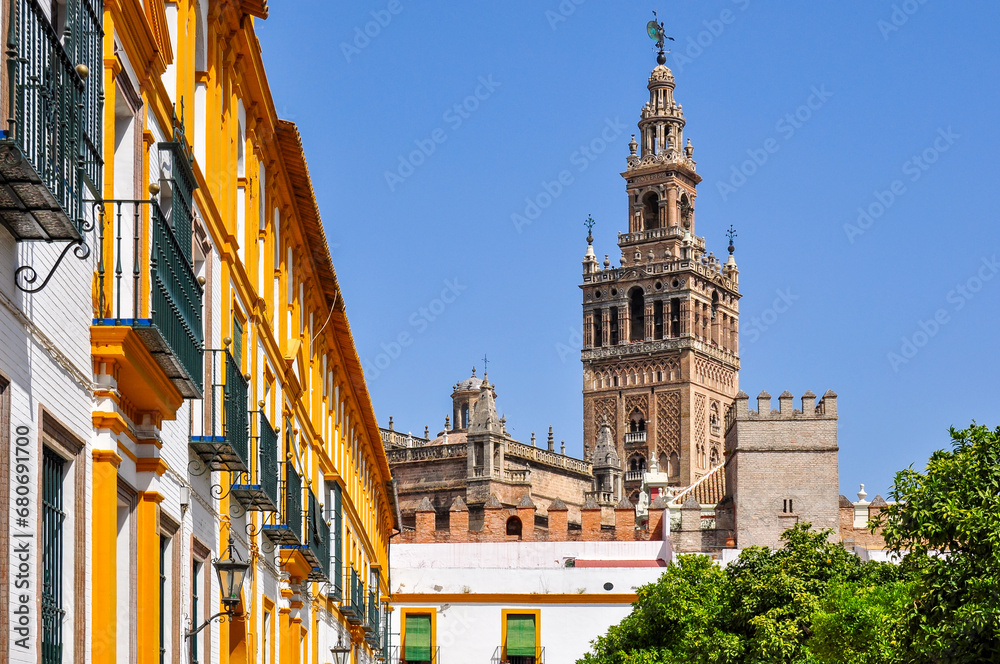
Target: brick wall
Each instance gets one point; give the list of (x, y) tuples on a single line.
[(781, 468), (494, 527)]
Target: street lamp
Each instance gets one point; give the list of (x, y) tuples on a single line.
[(341, 654), (232, 571)]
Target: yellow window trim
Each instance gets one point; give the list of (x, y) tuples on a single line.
[(537, 613), (420, 611)]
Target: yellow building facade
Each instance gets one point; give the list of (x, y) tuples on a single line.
[(224, 413)]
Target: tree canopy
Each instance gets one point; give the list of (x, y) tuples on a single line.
[(814, 602)]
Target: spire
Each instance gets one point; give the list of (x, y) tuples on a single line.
[(661, 123), (484, 413)]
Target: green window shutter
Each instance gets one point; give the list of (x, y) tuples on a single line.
[(520, 635), (238, 342), (417, 647)]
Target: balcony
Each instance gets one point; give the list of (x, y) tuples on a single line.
[(500, 656), (635, 438), (225, 443), (260, 493), (634, 475), (395, 655), (145, 282), (317, 548), (53, 137), (286, 524), (372, 624), (354, 607)]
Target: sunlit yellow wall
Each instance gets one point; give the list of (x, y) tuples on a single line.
[(313, 375)]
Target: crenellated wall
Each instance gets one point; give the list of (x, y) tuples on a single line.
[(781, 467)]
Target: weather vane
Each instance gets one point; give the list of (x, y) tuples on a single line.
[(655, 31), (485, 364), (731, 233), (589, 223)]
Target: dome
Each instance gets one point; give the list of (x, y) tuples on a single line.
[(470, 384)]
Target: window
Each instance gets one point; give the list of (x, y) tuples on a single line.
[(521, 637), (658, 319), (675, 317), (52, 557), (598, 327), (637, 315), (238, 341), (265, 639), (338, 540), (514, 527), (650, 212), (164, 604), (196, 581), (787, 507), (613, 325), (418, 638)]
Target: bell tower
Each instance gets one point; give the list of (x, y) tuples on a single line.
[(660, 331)]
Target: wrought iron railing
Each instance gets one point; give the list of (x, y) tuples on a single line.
[(267, 459), (372, 624), (258, 489), (293, 502), (395, 655), (354, 605), (318, 540), (224, 441), (182, 181), (501, 657), (46, 95), (284, 527), (145, 281)]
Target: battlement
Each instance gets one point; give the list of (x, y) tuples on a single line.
[(825, 408)]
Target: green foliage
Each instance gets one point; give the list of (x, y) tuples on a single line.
[(859, 622), (948, 518), (759, 609), (812, 602)]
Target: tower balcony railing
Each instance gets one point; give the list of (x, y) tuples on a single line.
[(353, 607), (635, 437), (652, 234), (634, 475), (144, 281), (257, 490), (284, 527), (52, 139), (223, 439)]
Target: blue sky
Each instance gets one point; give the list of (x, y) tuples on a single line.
[(896, 311)]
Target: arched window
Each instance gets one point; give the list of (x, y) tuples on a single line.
[(465, 416), (715, 457), (650, 212), (514, 527), (637, 315), (636, 422), (675, 466), (713, 419), (715, 303)]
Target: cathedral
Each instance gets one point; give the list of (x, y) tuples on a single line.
[(665, 424)]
